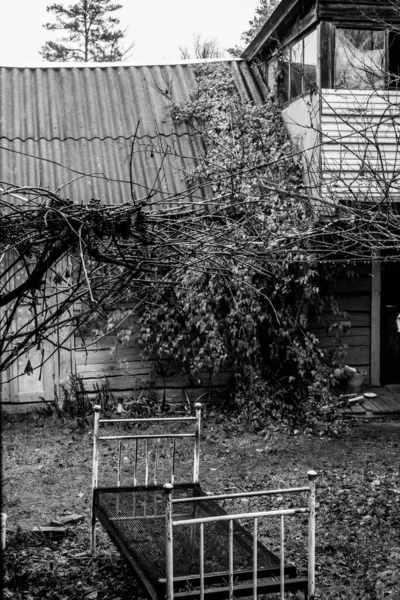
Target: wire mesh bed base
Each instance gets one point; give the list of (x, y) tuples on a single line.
[(135, 519), (178, 540)]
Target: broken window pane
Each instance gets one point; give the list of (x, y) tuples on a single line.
[(359, 59)]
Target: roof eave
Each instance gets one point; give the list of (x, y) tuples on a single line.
[(265, 37)]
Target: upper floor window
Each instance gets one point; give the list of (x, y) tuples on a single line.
[(359, 59), (348, 59), (299, 67)]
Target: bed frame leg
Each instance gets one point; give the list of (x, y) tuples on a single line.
[(97, 410), (196, 462), (169, 595), (311, 536), (93, 534)]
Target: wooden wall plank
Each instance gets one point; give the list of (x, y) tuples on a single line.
[(105, 343), (127, 383), (351, 286), (358, 319), (358, 355), (127, 375), (359, 303), (174, 396), (354, 297), (321, 332), (106, 356), (348, 340), (133, 369)]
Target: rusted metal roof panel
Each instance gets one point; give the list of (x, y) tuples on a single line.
[(71, 128)]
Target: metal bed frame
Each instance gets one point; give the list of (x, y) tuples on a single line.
[(179, 541)]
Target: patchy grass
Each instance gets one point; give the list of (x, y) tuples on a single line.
[(47, 474)]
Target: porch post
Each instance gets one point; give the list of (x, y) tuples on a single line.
[(376, 323)]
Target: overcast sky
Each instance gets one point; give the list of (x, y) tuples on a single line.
[(158, 27)]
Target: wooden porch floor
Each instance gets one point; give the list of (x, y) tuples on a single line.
[(386, 404)]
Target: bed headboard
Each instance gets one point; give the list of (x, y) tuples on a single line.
[(142, 441)]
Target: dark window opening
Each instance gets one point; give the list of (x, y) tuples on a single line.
[(285, 89), (394, 59), (296, 69)]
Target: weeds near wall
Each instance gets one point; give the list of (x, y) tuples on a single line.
[(74, 402)]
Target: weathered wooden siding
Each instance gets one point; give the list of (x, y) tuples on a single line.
[(127, 375), (354, 297), (360, 142)]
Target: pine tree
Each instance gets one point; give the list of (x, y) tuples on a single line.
[(91, 32), (264, 10)]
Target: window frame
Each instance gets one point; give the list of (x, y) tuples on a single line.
[(325, 32), (306, 86), (391, 79), (385, 55)]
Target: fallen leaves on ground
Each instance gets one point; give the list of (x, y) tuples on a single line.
[(358, 506)]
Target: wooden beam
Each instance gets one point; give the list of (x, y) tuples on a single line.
[(277, 25), (326, 55), (376, 324)]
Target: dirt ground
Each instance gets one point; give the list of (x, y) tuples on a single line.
[(46, 474)]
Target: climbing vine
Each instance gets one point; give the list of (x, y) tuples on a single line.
[(242, 300)]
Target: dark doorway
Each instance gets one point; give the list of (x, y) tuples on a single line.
[(390, 310)]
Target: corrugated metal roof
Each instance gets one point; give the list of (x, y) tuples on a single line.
[(70, 128)]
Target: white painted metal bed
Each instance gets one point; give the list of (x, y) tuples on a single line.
[(177, 539)]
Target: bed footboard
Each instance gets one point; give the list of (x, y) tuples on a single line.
[(259, 580)]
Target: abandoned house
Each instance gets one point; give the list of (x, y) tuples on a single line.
[(331, 64)]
